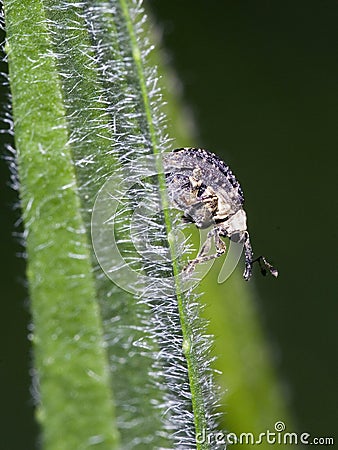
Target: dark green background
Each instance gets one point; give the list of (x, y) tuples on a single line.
[(261, 79)]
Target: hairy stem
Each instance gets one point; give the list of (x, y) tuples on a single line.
[(70, 359)]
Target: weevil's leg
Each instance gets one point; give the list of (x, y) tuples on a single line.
[(197, 174), (210, 199), (202, 253), (264, 264), (203, 256), (220, 245), (195, 180)]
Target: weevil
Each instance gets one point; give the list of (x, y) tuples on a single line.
[(202, 186)]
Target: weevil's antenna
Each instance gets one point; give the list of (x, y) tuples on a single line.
[(266, 266)]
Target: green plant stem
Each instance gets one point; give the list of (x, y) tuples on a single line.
[(198, 405), (70, 359)]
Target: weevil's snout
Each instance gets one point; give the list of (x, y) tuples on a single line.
[(248, 257)]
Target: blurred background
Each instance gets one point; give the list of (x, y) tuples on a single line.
[(261, 81)]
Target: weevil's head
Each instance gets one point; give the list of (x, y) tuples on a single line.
[(235, 227)]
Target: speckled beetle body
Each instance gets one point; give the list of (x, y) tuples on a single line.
[(205, 189)]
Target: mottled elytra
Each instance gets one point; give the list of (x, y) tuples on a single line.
[(204, 188)]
